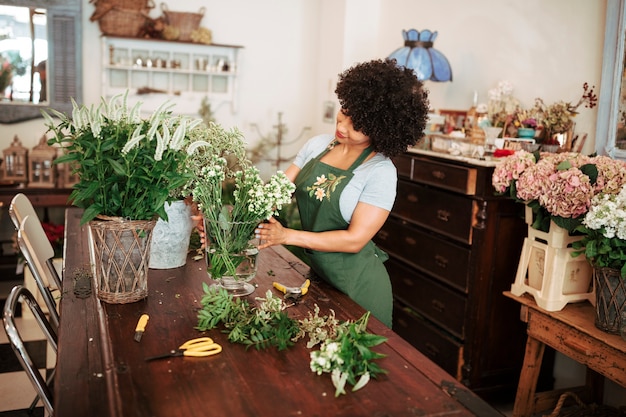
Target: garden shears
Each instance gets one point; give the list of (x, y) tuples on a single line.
[(293, 292), (198, 348)]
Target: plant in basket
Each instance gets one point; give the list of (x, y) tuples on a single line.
[(127, 166), (604, 231), (233, 200), (558, 187), (604, 245), (127, 169)]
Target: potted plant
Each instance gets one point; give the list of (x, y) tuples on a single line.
[(557, 119), (127, 167), (604, 245), (233, 200), (557, 190)]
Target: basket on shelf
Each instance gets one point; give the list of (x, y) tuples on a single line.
[(124, 4), (185, 22), (121, 18)]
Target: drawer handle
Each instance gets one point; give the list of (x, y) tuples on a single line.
[(440, 175), (438, 306), (409, 240), (412, 198), (441, 261), (383, 234), (431, 350), (408, 282), (575, 345), (443, 215)]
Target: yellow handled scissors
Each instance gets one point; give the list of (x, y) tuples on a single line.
[(200, 347)]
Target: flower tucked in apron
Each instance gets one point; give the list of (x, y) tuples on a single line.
[(362, 276)]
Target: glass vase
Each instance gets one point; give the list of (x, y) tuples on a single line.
[(245, 267), (231, 256), (491, 134)]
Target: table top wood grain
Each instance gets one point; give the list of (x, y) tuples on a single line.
[(101, 370)]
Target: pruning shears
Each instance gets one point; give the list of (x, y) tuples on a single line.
[(293, 292), (198, 348)]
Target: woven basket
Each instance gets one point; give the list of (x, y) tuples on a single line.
[(124, 4), (185, 22), (121, 22), (121, 256)]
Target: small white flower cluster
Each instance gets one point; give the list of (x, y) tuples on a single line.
[(501, 92), (265, 200), (268, 306), (327, 360), (608, 213)]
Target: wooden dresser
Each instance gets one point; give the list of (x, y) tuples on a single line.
[(454, 248)]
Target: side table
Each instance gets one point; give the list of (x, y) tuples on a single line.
[(570, 331)]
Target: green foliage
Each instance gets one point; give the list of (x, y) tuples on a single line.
[(345, 347), (346, 353), (127, 166), (601, 251), (263, 326)]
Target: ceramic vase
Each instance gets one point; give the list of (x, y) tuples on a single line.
[(525, 132), (170, 239)]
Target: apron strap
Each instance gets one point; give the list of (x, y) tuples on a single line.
[(366, 152)]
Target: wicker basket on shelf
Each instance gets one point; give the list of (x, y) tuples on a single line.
[(185, 22), (121, 18), (124, 4)]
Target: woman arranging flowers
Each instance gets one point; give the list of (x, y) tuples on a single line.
[(345, 182)]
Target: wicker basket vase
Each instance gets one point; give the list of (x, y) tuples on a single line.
[(120, 251), (185, 22)]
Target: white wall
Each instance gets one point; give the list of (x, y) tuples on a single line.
[(294, 49)]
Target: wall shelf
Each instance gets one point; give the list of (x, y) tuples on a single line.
[(155, 71)]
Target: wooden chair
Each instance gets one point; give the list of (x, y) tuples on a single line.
[(36, 249), (42, 386), (21, 207)]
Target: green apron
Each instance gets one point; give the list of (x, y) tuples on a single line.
[(362, 276)]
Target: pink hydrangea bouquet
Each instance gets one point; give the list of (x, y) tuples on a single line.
[(558, 187)]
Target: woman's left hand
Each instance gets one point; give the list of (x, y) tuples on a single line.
[(270, 233)]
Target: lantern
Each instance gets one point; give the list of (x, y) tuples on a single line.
[(42, 172), (15, 163), (67, 179)]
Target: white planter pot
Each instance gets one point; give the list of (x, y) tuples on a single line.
[(170, 239)]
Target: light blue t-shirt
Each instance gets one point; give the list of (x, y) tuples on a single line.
[(374, 181)]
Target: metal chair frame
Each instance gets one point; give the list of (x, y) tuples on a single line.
[(42, 386)]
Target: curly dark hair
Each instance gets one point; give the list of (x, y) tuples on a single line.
[(385, 102)]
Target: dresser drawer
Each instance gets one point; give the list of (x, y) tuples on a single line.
[(425, 251), (450, 177), (440, 348), (404, 165), (439, 304), (441, 211)]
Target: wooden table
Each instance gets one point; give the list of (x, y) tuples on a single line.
[(572, 332), (101, 371)]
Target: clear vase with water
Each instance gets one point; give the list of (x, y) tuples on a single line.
[(231, 256)]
